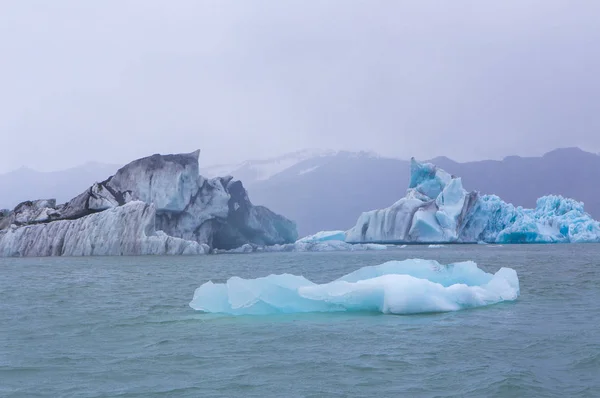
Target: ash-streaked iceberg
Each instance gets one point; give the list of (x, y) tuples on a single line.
[(437, 209), (155, 205), (122, 230), (396, 287)]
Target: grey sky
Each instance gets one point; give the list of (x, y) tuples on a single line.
[(115, 80)]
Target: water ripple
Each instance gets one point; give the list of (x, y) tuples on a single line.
[(98, 327)]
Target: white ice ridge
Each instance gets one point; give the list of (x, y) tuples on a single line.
[(396, 287), (325, 241)]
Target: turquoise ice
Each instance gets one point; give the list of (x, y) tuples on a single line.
[(436, 208), (396, 287)]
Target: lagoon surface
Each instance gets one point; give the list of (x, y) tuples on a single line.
[(121, 326)]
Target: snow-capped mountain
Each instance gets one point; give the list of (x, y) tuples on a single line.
[(330, 190), (251, 171)]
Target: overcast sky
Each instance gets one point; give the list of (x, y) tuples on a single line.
[(111, 81)]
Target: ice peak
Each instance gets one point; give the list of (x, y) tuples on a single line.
[(420, 172), (195, 154), (427, 178)]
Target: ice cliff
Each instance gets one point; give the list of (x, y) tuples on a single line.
[(154, 205), (395, 287), (437, 208)]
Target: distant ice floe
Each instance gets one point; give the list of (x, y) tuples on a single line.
[(324, 241), (311, 246), (324, 236), (396, 287)]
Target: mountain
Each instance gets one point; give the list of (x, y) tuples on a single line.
[(24, 183), (251, 171), (328, 192)]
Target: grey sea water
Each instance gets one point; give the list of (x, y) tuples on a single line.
[(122, 327)]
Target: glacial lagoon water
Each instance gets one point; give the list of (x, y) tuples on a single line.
[(122, 326)]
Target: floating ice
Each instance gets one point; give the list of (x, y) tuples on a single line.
[(395, 287), (324, 246), (324, 236), (125, 214), (324, 241), (554, 220), (437, 208), (307, 246), (436, 246), (131, 227)]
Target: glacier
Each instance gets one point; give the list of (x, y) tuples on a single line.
[(155, 205), (437, 209), (396, 287)]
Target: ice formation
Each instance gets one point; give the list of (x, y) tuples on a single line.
[(395, 287), (154, 205), (438, 209), (325, 241), (131, 232), (311, 246), (325, 236)]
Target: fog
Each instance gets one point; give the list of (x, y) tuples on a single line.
[(115, 80)]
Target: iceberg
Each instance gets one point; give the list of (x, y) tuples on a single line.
[(155, 205), (396, 287), (437, 209), (324, 236), (131, 229)]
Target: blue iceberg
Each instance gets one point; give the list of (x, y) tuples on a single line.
[(324, 236), (396, 287), (437, 209)]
